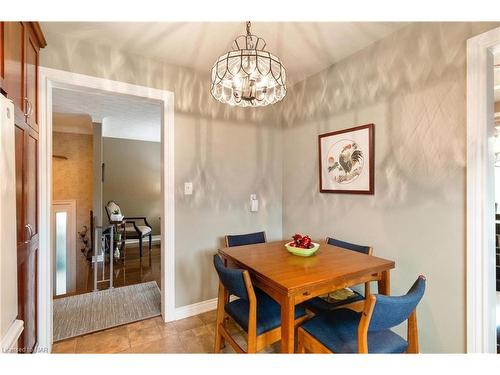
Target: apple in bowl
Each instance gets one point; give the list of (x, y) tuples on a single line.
[(302, 245)]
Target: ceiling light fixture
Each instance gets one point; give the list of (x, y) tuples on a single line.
[(248, 76)]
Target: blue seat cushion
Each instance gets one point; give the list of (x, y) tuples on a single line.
[(338, 331), (268, 312), (318, 304)]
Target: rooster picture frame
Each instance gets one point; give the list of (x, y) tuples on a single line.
[(346, 161)]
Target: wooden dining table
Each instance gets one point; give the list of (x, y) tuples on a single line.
[(290, 279)]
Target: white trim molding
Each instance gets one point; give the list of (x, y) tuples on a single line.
[(53, 78), (195, 308), (198, 308), (481, 327), (9, 340)]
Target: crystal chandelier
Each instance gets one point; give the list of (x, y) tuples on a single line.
[(248, 76)]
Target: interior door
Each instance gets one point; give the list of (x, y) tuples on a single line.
[(26, 143)]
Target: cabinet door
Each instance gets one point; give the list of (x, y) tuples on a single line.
[(27, 233), (31, 78), (13, 62), (1, 55)]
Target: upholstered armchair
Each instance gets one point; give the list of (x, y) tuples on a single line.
[(131, 228)]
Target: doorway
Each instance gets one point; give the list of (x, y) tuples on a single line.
[(496, 114), (50, 80), (482, 50), (107, 157)]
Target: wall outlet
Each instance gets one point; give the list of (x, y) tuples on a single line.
[(254, 203), (188, 188)]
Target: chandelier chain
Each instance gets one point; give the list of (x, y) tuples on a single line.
[(249, 41)]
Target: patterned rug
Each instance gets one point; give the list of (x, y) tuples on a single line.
[(95, 311)]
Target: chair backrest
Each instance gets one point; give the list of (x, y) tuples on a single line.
[(245, 239), (390, 311), (231, 278), (112, 206), (348, 245)]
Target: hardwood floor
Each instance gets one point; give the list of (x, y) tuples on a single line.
[(133, 269), (190, 335)]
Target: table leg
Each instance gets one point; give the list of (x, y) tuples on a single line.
[(287, 325), (384, 284)]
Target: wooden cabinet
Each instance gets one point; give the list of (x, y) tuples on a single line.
[(26, 140), (13, 48), (20, 44), (1, 58), (32, 50)]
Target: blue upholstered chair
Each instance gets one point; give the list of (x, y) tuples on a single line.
[(348, 331), (254, 311), (245, 239), (356, 301)]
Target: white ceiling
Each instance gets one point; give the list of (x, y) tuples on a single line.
[(80, 123), (305, 48), (122, 116)]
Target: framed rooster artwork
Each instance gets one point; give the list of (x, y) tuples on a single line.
[(346, 161)]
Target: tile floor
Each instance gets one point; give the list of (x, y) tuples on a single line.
[(190, 335)]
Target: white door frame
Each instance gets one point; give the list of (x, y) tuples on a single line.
[(70, 242), (481, 326), (53, 78)]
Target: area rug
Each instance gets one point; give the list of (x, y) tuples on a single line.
[(95, 311)]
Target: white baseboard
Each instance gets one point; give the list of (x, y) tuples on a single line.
[(198, 308), (154, 239), (9, 341), (195, 309)]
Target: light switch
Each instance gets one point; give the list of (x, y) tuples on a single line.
[(188, 188)]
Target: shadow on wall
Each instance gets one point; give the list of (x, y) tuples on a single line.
[(228, 153), (417, 92), (192, 89), (412, 86), (221, 160)]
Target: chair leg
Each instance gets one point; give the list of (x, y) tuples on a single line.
[(300, 342), (150, 241), (412, 334), (220, 320), (140, 246)]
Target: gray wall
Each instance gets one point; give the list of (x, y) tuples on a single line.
[(132, 177), (226, 152), (226, 161), (412, 86)]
